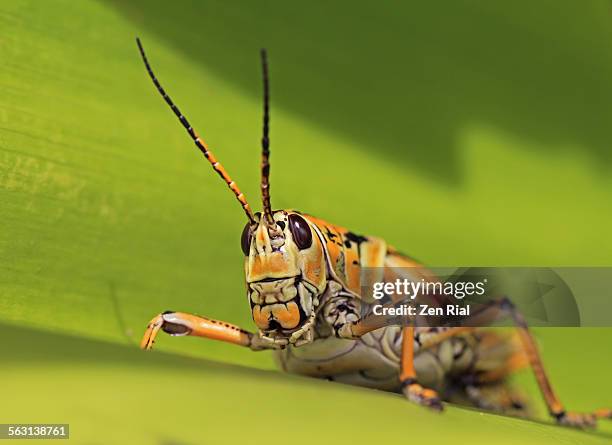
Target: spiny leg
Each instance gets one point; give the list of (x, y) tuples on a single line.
[(181, 323)]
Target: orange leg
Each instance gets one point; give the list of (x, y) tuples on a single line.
[(181, 323), (410, 387)]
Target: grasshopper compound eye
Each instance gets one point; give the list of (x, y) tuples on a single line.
[(245, 239), (302, 236)]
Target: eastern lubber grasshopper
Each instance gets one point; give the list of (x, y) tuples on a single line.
[(303, 285)]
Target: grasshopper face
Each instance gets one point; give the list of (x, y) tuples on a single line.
[(285, 272)]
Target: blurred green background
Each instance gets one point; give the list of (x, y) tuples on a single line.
[(463, 132)]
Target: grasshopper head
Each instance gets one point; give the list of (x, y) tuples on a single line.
[(285, 272)]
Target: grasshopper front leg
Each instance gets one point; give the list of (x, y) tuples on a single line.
[(182, 323)]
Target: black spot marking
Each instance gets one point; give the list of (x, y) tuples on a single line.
[(355, 238), (330, 235)]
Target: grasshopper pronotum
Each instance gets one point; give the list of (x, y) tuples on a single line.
[(303, 285)]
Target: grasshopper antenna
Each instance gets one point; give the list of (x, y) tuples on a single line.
[(265, 143), (198, 140)]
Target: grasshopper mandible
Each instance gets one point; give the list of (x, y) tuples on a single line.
[(303, 285)]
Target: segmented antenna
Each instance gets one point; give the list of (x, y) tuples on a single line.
[(265, 143), (198, 140)]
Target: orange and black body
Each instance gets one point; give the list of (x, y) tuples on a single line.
[(304, 279)]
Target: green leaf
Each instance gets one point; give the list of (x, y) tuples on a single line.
[(113, 394)]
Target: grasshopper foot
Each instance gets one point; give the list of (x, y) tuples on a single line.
[(423, 396), (168, 323), (583, 420), (577, 420)]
